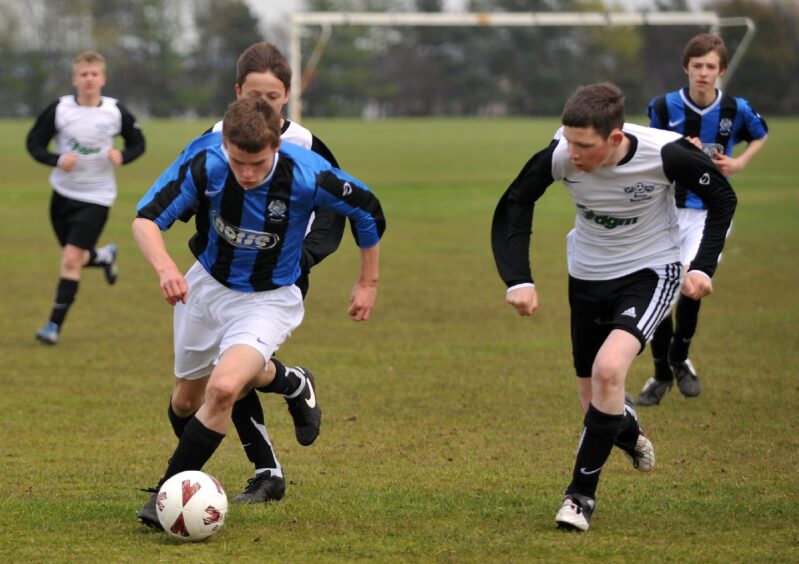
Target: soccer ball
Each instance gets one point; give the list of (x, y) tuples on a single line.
[(191, 505)]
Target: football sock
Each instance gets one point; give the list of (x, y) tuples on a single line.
[(248, 417), (197, 444), (628, 434), (64, 296), (686, 315), (286, 383), (601, 429), (178, 422), (660, 349)]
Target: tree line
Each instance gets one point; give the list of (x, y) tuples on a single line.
[(177, 58)]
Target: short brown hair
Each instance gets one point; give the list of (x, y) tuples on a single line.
[(88, 58), (263, 57), (252, 125), (600, 106), (702, 44)]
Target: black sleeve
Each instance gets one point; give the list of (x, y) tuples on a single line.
[(511, 229), (327, 228), (318, 147), (131, 133), (40, 135), (688, 166)]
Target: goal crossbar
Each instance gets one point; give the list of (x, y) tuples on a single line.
[(497, 19)]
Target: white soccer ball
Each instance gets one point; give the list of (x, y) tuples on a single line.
[(191, 505)]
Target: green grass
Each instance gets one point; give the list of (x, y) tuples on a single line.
[(450, 422)]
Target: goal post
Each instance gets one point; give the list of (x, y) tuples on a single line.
[(496, 19)]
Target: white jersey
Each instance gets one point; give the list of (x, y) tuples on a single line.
[(626, 216), (88, 132), (292, 132)]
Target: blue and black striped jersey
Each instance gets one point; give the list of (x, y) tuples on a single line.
[(251, 240), (720, 126)]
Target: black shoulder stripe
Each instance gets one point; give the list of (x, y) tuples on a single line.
[(171, 191), (661, 111), (727, 111), (354, 195)]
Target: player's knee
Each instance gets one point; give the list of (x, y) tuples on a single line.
[(606, 374), (222, 392), (183, 406)]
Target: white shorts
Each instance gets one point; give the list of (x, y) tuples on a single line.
[(215, 318), (692, 224)]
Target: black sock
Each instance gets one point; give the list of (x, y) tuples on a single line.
[(599, 433), (628, 434), (660, 349), (285, 382), (64, 296), (197, 444), (178, 422), (686, 317), (248, 417)]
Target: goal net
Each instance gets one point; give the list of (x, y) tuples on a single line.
[(409, 64)]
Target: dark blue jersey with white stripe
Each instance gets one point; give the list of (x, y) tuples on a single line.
[(251, 240), (720, 126)]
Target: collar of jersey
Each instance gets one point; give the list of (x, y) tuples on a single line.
[(267, 178)]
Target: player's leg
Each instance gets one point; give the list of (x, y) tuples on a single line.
[(277, 314), (686, 312), (77, 226), (687, 318), (204, 432), (657, 385), (268, 483)]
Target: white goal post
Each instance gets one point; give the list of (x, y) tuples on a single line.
[(509, 19)]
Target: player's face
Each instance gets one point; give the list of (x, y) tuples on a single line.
[(588, 150), (250, 169), (267, 86), (88, 79), (703, 72)]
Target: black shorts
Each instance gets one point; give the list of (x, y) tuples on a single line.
[(77, 223), (636, 303)]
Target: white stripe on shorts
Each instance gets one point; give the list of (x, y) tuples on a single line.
[(666, 293)]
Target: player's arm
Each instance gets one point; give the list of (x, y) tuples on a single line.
[(690, 167), (364, 293), (41, 133), (511, 230), (345, 195), (132, 135), (151, 242), (327, 227), (731, 165)]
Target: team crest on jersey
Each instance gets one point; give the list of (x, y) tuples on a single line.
[(725, 127), (640, 191), (276, 210), (243, 238)]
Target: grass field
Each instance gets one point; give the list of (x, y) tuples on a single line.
[(450, 423)]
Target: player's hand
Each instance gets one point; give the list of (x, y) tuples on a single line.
[(525, 300), (115, 156), (68, 161), (696, 285), (727, 165), (362, 300), (174, 286)]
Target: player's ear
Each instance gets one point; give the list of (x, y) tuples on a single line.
[(616, 137), (237, 90)]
